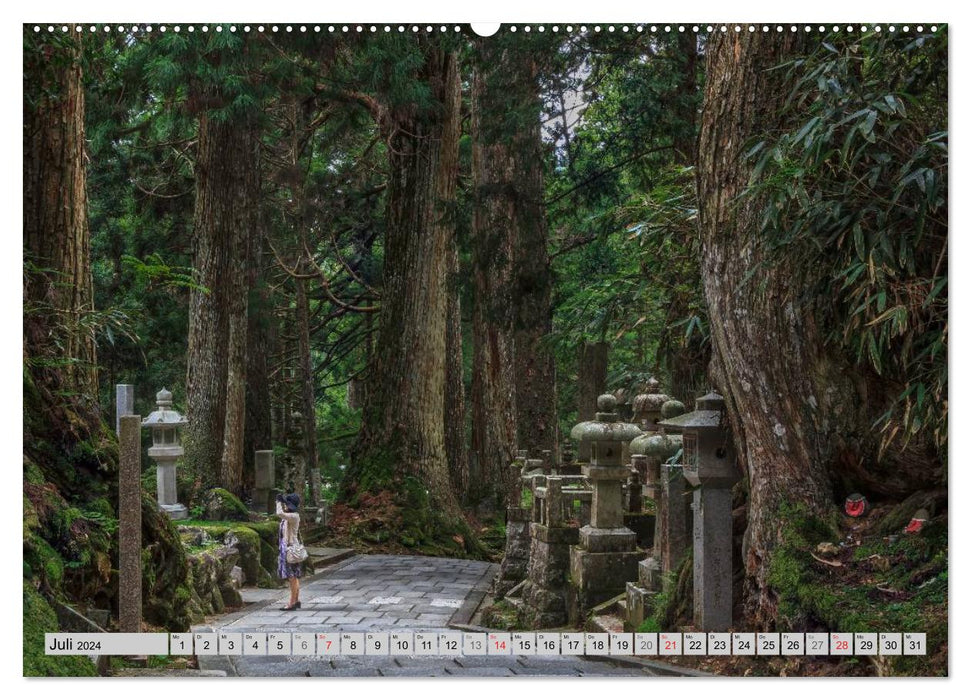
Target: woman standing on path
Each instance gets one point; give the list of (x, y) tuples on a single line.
[(288, 507)]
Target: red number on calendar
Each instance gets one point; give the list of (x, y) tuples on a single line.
[(670, 645), (500, 645), (328, 644), (842, 645)]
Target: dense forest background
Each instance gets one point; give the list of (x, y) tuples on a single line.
[(396, 258)]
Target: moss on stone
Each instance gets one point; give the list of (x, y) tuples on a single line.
[(248, 544), (39, 618), (220, 504)]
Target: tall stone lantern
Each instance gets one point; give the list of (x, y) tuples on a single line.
[(165, 450), (709, 464), (606, 557)]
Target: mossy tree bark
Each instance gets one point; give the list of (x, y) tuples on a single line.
[(59, 346), (261, 335), (768, 359), (308, 402), (532, 278), (456, 450), (402, 431), (226, 222), (70, 457), (493, 395)]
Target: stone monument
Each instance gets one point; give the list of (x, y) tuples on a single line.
[(124, 403), (545, 593), (130, 525), (166, 449), (264, 496), (709, 464), (512, 569), (606, 556)]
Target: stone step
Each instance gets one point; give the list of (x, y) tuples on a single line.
[(325, 556), (605, 623)]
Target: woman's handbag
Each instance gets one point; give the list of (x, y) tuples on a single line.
[(296, 553)]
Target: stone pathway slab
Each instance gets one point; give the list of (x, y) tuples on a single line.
[(382, 592)]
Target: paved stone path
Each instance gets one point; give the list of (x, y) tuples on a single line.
[(384, 592)]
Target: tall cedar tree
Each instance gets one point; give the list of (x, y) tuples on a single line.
[(225, 226), (513, 390), (785, 396), (58, 344), (493, 395), (402, 430)]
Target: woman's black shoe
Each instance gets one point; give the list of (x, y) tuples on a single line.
[(288, 608)]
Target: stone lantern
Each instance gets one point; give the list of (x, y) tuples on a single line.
[(591, 432), (165, 450), (606, 557), (656, 444), (647, 406), (709, 459), (709, 463)]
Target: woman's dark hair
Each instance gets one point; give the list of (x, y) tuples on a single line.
[(292, 502)]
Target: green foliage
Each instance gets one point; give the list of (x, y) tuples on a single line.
[(621, 194), (39, 618), (856, 198)]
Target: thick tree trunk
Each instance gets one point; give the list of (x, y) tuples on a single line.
[(536, 425), (226, 221), (308, 404), (58, 347), (258, 432), (455, 446), (786, 399), (493, 394), (591, 378), (402, 432)]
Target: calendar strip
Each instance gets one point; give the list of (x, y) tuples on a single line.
[(455, 643)]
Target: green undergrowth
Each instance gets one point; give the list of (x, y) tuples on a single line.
[(895, 583), (39, 618), (402, 516), (672, 604), (501, 615)]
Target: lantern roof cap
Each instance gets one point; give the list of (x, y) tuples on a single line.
[(709, 413), (656, 445), (606, 426), (671, 408), (165, 416)]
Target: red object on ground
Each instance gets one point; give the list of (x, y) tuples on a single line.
[(915, 525), (855, 505)]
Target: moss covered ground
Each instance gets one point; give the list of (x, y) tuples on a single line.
[(868, 576)]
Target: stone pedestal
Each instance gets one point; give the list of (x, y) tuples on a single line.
[(713, 559), (512, 570), (545, 594), (606, 556), (649, 574), (640, 605), (130, 524), (165, 486), (124, 403), (599, 576), (264, 497)]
